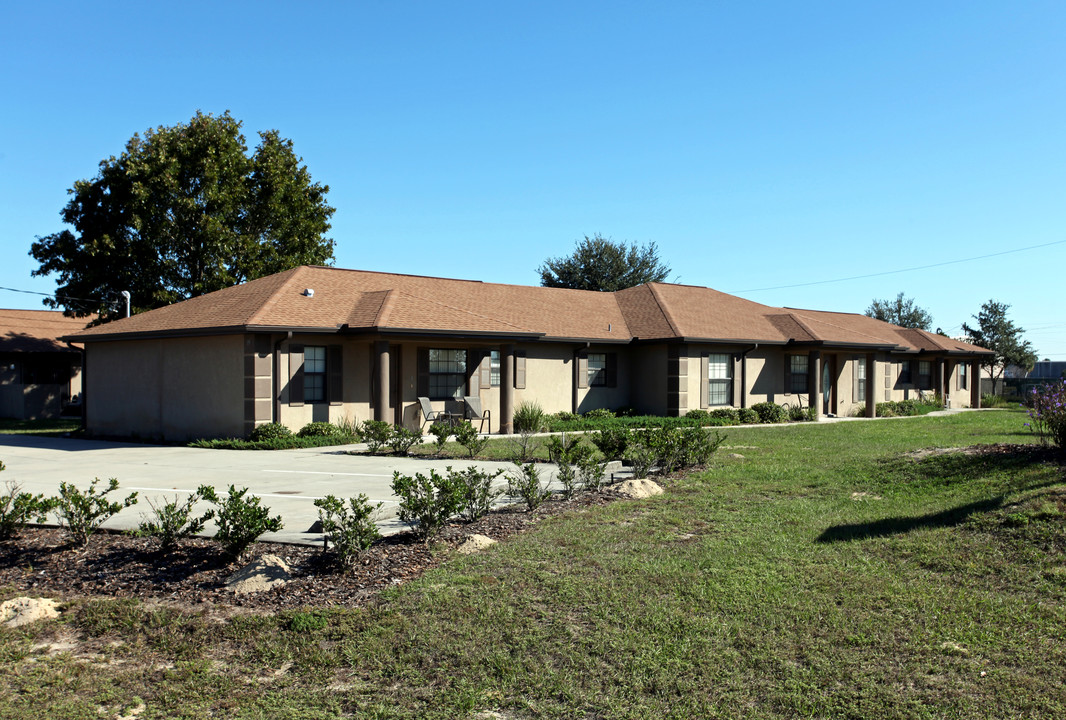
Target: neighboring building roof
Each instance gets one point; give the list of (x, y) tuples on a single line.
[(37, 330), (356, 300)]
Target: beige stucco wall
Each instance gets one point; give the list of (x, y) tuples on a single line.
[(173, 389)]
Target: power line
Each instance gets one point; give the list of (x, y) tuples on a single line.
[(49, 295), (895, 272)]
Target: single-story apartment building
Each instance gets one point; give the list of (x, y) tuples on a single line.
[(40, 375), (322, 343)]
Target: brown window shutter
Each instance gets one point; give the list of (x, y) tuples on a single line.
[(788, 374), (473, 372), (335, 367), (705, 371), (486, 370), (888, 375), (296, 375), (422, 389), (612, 370), (913, 365), (582, 369), (520, 369)]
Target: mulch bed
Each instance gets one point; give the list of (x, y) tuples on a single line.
[(40, 561)]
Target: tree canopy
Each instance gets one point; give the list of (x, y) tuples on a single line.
[(997, 333), (902, 311), (182, 212), (599, 263)]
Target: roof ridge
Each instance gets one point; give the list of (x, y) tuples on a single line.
[(274, 296), (810, 331), (385, 309), (663, 309), (932, 337)]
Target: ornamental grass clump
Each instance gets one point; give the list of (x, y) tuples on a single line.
[(1047, 413)]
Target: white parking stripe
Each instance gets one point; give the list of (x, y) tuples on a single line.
[(320, 472)]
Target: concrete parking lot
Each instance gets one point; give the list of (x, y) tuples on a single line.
[(289, 481)]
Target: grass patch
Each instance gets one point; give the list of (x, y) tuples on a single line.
[(60, 426), (831, 571)]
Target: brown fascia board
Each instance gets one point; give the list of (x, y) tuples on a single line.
[(200, 332)]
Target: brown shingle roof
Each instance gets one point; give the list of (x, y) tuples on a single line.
[(37, 330), (357, 300)]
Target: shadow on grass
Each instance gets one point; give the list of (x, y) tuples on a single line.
[(899, 525)]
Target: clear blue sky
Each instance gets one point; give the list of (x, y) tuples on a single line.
[(759, 144)]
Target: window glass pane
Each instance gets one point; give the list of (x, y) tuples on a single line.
[(314, 374), (798, 365), (719, 380), (447, 373), (494, 368), (860, 378), (597, 368)]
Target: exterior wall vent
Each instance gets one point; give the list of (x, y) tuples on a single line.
[(309, 292)]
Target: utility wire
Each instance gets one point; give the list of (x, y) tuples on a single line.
[(50, 295), (895, 272)]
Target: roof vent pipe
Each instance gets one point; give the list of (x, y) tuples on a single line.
[(309, 292)]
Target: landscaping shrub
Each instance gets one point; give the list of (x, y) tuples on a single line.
[(476, 491), (529, 417), (671, 449), (641, 457), (990, 400), (375, 434), (440, 430), (401, 440), (698, 445), (612, 442), (769, 412), (589, 472), (348, 427), (427, 502), (564, 416), (467, 436), (598, 413), (172, 521), (319, 429), (525, 484), (350, 528), (747, 416), (1047, 413), (561, 446), (240, 519), (523, 446), (698, 414), (18, 508), (730, 415), (82, 513), (269, 431)]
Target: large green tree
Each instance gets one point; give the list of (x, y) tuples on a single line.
[(902, 311), (599, 263), (995, 332), (184, 211)]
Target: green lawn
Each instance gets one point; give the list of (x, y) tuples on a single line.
[(9, 426), (824, 574)]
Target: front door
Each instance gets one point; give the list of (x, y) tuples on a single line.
[(826, 386)]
